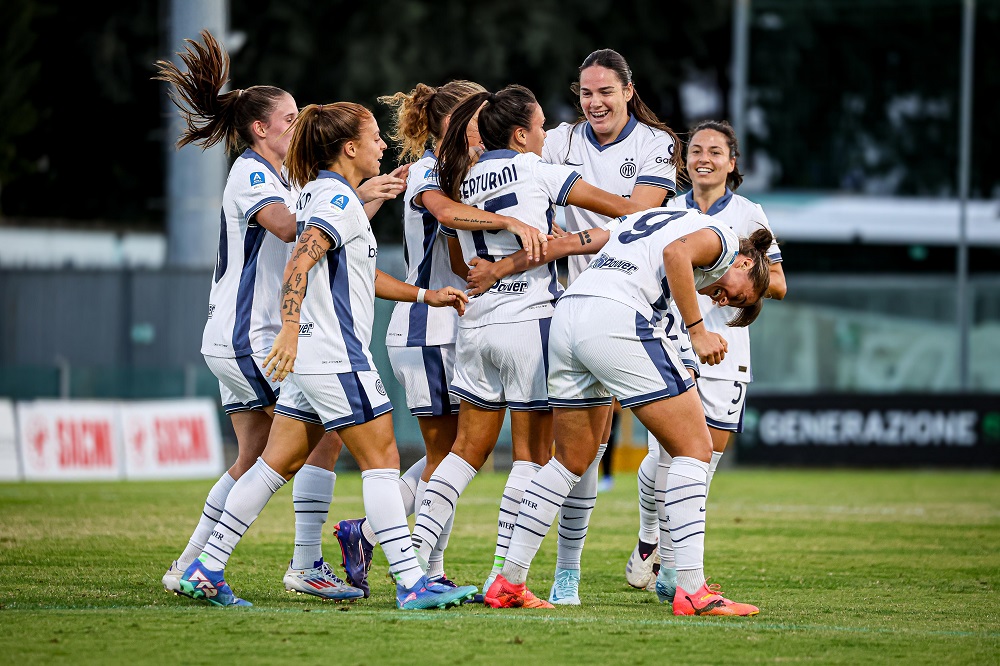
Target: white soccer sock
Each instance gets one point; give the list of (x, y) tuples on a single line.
[(312, 492), (521, 474), (649, 522), (246, 500), (539, 505), (665, 548), (574, 515), (712, 466), (445, 486), (435, 561), (368, 533), (685, 508), (384, 510), (408, 485), (210, 515)]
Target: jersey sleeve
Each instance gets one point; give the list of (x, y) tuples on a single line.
[(333, 215), (554, 151), (656, 169), (426, 180), (447, 232), (556, 181), (730, 246), (773, 252), (258, 187)]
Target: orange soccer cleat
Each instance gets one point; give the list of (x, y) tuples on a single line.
[(708, 600), (504, 594)]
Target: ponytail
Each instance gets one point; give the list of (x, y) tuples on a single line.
[(318, 138), (210, 115), (454, 160), (755, 248), (420, 114)]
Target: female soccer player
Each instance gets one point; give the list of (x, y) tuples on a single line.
[(420, 340), (502, 340), (257, 227), (621, 146), (712, 154), (330, 380), (604, 344)]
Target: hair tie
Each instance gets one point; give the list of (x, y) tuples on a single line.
[(492, 98), (319, 107), (239, 92)]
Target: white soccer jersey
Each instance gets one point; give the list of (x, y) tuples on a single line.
[(743, 217), (520, 185), (335, 327), (629, 269), (243, 310), (639, 156), (427, 266)]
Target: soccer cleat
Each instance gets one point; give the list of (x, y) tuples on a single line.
[(639, 568), (320, 581), (426, 594), (708, 600), (357, 553), (566, 588), (665, 585), (200, 582), (172, 579), (504, 594), (480, 598)]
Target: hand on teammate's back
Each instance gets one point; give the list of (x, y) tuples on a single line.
[(481, 276)]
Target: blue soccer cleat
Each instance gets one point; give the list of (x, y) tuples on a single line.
[(566, 588), (200, 582), (425, 594), (666, 585), (357, 553)]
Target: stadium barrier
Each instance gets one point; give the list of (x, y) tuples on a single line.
[(80, 440), (10, 467), (892, 430)]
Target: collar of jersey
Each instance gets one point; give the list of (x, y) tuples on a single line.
[(502, 154), (323, 173), (428, 153), (715, 208), (252, 154), (629, 126)]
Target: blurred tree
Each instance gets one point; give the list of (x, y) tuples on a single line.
[(864, 95), (19, 73)]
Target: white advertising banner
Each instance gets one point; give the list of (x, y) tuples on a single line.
[(61, 440), (171, 439), (10, 470)]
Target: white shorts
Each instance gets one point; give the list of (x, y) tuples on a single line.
[(334, 401), (503, 365), (724, 401), (242, 382), (425, 374), (601, 348)]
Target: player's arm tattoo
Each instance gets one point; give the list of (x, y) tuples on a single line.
[(585, 238), (472, 220)]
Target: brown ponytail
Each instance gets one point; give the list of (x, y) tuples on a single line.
[(755, 248), (500, 115), (420, 114), (210, 115), (318, 137)]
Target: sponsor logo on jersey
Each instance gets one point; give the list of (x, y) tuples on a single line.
[(379, 387), (372, 252), (663, 160), (340, 201), (607, 262), (306, 329), (256, 178), (502, 287), (211, 310), (431, 174), (628, 169)]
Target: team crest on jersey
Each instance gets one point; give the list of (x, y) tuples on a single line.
[(256, 178), (340, 201), (628, 169), (379, 387)]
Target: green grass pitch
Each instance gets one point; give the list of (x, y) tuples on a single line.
[(847, 568)]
